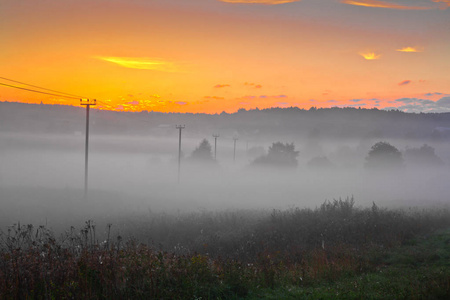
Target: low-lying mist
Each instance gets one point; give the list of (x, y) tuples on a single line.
[(42, 178)]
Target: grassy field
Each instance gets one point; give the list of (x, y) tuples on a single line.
[(418, 270), (334, 251)]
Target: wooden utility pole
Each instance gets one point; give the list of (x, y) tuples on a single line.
[(87, 103), (179, 127), (234, 151), (215, 145)]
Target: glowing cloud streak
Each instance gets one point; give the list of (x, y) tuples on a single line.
[(219, 86), (409, 49), (143, 63), (370, 55), (383, 4), (265, 2)]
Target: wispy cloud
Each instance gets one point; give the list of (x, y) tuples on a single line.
[(370, 55), (409, 49), (415, 101), (143, 63), (214, 97), (443, 4), (273, 96), (251, 97), (355, 105), (133, 103), (417, 105), (265, 2), (404, 82), (433, 94), (385, 4), (251, 84), (219, 86)]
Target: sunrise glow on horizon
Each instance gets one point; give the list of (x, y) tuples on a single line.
[(209, 56)]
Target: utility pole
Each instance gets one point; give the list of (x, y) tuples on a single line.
[(234, 151), (215, 145), (179, 127), (87, 103)]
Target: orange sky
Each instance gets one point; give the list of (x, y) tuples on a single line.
[(213, 56)]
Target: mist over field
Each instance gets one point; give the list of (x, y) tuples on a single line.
[(306, 199), (42, 174)]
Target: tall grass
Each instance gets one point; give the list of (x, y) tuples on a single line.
[(207, 255)]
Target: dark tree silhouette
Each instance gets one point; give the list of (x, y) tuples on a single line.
[(203, 152), (279, 154), (383, 155), (423, 156)]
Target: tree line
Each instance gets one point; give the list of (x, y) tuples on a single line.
[(382, 155)]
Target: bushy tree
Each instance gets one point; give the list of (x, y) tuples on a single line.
[(383, 155), (280, 155), (203, 152), (423, 156)]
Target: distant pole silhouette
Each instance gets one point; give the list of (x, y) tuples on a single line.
[(179, 127), (87, 103), (234, 151), (215, 145)]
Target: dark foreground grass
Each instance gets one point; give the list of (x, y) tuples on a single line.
[(420, 270), (334, 251)]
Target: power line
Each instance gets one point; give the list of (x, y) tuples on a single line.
[(59, 94), (103, 103), (179, 127), (30, 90), (35, 86)]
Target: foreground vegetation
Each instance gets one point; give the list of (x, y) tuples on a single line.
[(334, 251)]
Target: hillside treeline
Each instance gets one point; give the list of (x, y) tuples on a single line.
[(290, 123)]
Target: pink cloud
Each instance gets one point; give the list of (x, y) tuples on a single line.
[(214, 97), (404, 82), (251, 84)]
